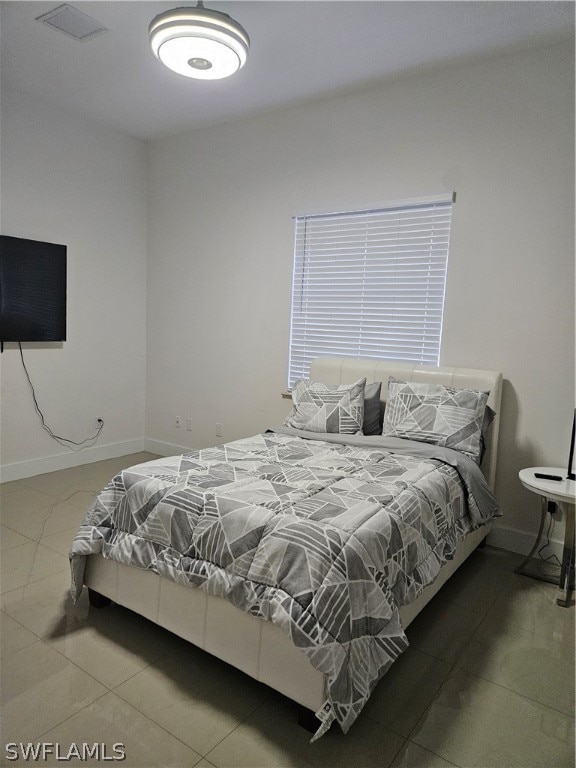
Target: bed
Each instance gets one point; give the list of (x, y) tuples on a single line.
[(300, 556)]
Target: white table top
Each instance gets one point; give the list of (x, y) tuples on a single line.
[(556, 490)]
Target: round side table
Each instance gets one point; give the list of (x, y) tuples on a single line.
[(563, 492)]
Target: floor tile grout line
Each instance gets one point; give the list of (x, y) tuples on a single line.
[(516, 693), (52, 506), (241, 722), (50, 509), (24, 627), (518, 627), (25, 487), (429, 705), (445, 677), (131, 704), (48, 546), (14, 530), (50, 645), (407, 741), (68, 717), (36, 581), (136, 673), (158, 725), (27, 544), (455, 668), (11, 527), (48, 641), (115, 693), (108, 691), (99, 696), (30, 583), (490, 682)]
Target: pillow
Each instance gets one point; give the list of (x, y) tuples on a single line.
[(372, 406), (327, 407), (433, 413)]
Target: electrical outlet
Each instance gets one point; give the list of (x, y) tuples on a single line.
[(189, 425), (218, 430), (177, 422)]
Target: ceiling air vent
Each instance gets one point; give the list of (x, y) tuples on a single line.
[(72, 22)]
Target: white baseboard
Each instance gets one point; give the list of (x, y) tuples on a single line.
[(21, 469), (164, 449), (522, 542)]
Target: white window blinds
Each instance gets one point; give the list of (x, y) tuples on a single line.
[(370, 283)]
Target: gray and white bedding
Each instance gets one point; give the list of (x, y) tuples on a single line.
[(326, 537)]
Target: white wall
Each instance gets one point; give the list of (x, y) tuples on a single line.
[(500, 132), (70, 181)]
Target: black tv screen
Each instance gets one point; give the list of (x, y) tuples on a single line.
[(32, 290)]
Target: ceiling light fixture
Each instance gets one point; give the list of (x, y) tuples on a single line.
[(200, 43)]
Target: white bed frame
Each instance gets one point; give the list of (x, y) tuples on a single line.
[(255, 646)]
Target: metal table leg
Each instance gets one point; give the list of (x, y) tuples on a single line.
[(566, 583), (521, 568)]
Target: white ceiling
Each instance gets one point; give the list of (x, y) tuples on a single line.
[(300, 50)]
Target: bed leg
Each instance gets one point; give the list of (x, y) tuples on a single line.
[(97, 600), (308, 720)]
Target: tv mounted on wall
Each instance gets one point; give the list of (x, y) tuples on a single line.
[(32, 290)]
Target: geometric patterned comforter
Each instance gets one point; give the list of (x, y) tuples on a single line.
[(325, 539)]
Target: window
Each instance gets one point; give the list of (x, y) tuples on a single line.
[(370, 283)]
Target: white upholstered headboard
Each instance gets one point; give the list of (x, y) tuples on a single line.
[(346, 370)]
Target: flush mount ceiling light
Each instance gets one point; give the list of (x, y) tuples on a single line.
[(200, 43)]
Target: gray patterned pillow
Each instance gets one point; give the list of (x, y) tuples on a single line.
[(327, 407), (433, 413)]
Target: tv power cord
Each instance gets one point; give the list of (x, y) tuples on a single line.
[(65, 441), (552, 558)]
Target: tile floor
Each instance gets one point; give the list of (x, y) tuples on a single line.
[(488, 680)]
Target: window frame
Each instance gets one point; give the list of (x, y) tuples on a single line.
[(377, 313)]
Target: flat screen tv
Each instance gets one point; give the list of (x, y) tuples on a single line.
[(32, 290)]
